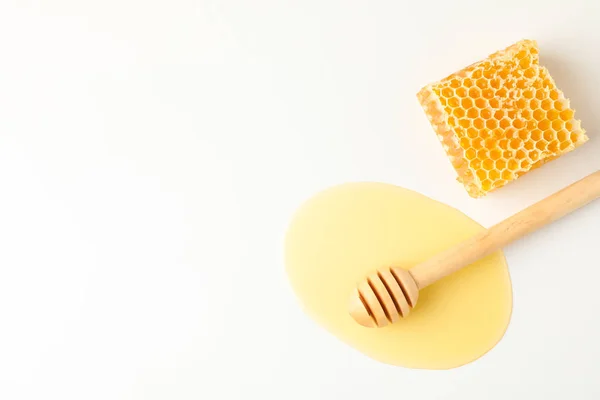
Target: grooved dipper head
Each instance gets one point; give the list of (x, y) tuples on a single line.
[(384, 297)]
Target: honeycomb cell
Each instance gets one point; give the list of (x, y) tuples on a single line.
[(466, 103), (491, 123), (447, 92), (481, 103), (459, 112), (461, 92), (566, 115), (487, 93), (557, 124), (541, 145), (465, 142), (562, 136), (472, 133), (544, 124), (515, 143), (470, 154), (546, 104), (533, 155), (486, 185), (552, 114), (529, 72), (523, 134), (498, 133), (465, 123), (522, 53), (474, 92), (500, 118), (490, 143), (548, 136), (540, 95)]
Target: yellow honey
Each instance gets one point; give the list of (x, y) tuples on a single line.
[(501, 117), (346, 232)]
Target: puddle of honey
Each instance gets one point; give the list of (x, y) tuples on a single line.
[(345, 232)]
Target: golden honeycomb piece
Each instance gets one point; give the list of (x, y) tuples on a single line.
[(501, 117)]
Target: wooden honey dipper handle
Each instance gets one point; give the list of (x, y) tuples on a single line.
[(498, 236), (372, 306)]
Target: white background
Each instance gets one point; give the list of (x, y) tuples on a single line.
[(151, 155)]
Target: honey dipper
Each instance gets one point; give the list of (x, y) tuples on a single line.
[(389, 294)]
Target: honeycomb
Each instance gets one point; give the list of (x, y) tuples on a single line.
[(500, 118)]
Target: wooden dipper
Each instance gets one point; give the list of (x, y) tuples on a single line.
[(389, 294)]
